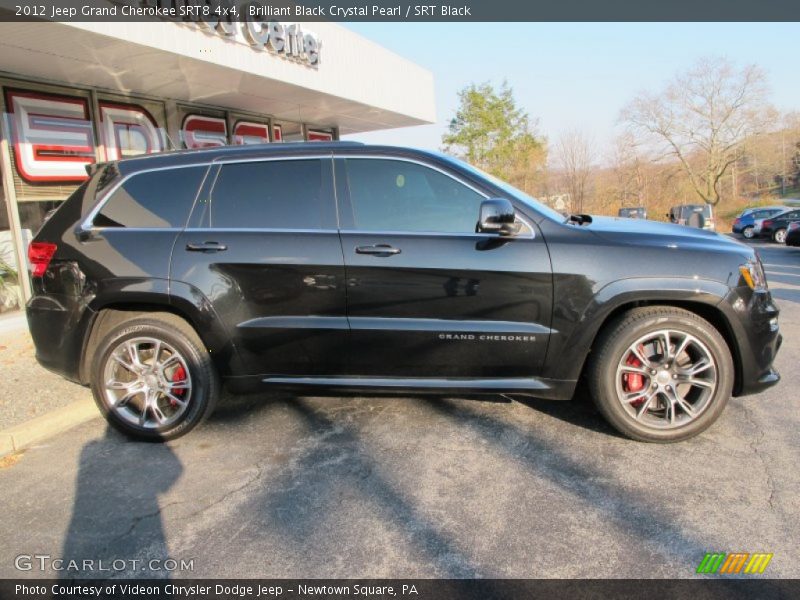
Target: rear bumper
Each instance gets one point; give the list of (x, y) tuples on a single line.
[(58, 325)]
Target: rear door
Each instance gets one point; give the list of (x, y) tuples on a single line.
[(427, 296), (263, 249)]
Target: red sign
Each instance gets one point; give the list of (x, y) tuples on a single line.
[(128, 130), (245, 132), (200, 131), (319, 136), (53, 138)]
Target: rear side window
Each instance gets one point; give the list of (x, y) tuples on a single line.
[(277, 194), (153, 199)]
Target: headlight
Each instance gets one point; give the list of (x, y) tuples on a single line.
[(753, 274)]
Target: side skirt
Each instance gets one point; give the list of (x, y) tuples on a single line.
[(522, 386)]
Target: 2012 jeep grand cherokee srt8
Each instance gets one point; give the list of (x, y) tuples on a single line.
[(345, 266)]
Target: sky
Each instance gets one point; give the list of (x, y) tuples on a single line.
[(576, 75)]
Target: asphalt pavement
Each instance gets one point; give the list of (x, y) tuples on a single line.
[(282, 486)]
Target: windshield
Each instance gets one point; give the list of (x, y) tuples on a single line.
[(509, 189)]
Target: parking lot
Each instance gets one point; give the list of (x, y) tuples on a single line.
[(421, 487)]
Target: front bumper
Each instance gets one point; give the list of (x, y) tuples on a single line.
[(754, 321)]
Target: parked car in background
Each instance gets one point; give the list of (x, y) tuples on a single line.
[(744, 223), (633, 212), (775, 227), (793, 234), (693, 215)]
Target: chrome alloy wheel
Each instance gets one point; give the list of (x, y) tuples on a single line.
[(147, 383), (666, 379)]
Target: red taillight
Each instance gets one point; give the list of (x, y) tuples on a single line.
[(39, 256), (767, 223)]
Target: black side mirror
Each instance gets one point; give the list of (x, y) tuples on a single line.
[(497, 216)]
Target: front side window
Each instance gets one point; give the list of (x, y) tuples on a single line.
[(396, 195), (153, 199), (278, 194)]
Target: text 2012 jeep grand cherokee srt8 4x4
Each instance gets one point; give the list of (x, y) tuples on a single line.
[(344, 266)]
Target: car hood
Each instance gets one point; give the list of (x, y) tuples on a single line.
[(653, 233)]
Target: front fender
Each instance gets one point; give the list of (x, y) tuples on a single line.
[(576, 327)]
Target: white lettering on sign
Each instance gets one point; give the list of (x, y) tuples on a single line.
[(245, 132), (200, 131), (128, 130), (53, 139)]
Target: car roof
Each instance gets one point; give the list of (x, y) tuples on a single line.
[(222, 153)]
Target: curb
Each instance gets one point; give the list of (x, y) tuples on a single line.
[(26, 434)]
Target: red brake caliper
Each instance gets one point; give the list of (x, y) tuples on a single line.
[(633, 382), (178, 374)]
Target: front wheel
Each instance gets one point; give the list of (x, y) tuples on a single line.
[(779, 236), (748, 233), (152, 378), (660, 374)]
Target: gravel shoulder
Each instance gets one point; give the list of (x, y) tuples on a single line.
[(28, 390)]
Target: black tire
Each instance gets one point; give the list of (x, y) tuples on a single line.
[(779, 236), (614, 342), (179, 335), (748, 233)]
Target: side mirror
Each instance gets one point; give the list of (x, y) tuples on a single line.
[(497, 216)]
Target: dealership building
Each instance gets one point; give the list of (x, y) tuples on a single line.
[(82, 92)]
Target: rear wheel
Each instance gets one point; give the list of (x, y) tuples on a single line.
[(152, 378), (779, 236), (747, 232), (661, 374)]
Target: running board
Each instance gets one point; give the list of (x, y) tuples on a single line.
[(522, 384)]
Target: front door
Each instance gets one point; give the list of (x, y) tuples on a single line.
[(428, 297), (263, 249)]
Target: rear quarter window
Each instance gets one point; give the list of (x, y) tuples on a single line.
[(153, 199)]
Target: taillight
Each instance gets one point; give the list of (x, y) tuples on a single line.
[(795, 225), (767, 223), (39, 255)]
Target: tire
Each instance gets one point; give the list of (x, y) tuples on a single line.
[(178, 385), (615, 379), (779, 237), (747, 232)]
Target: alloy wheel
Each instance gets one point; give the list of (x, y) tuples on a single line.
[(147, 383), (666, 379)]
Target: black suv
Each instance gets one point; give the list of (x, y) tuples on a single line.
[(348, 267)]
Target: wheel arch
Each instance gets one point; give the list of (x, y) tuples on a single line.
[(708, 311), (116, 311)]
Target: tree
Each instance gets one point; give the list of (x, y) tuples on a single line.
[(702, 118), (491, 132), (629, 172), (574, 153)]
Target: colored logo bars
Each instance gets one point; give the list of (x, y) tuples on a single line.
[(736, 563)]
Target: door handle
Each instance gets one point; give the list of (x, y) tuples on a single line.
[(378, 250), (206, 247)]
